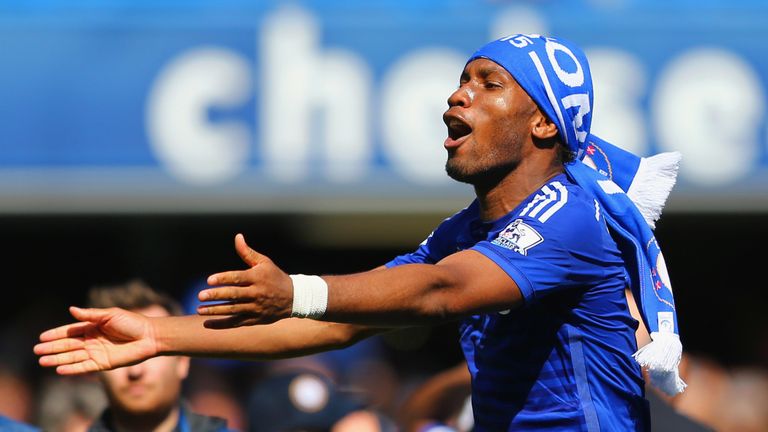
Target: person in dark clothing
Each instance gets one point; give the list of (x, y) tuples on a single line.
[(147, 396)]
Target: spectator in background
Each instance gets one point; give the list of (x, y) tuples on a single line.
[(733, 399), (293, 400), (442, 403), (147, 396), (70, 404), (214, 390), (15, 393), (10, 425)]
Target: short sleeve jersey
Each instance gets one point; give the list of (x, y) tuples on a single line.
[(562, 361)]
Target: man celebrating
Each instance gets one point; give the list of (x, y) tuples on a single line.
[(535, 268)]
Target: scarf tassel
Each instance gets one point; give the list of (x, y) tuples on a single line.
[(661, 357), (652, 184)]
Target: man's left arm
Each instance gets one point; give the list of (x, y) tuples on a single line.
[(461, 284)]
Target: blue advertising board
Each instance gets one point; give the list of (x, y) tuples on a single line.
[(198, 106)]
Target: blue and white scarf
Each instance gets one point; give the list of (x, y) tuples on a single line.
[(630, 189)]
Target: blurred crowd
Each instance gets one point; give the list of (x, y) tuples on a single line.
[(364, 388)]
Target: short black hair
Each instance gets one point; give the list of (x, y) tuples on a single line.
[(565, 154)]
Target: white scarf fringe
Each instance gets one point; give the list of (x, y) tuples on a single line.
[(661, 357), (655, 177)]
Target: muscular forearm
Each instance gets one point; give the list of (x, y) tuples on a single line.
[(410, 294), (287, 338), (461, 284), (420, 293)]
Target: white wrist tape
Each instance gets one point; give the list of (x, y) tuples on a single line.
[(310, 296)]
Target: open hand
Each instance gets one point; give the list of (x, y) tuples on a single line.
[(261, 294), (103, 339)]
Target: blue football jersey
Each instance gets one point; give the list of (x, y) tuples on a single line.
[(563, 360)]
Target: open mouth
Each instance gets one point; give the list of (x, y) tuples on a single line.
[(457, 128)]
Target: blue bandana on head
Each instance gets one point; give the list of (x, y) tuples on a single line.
[(631, 190)]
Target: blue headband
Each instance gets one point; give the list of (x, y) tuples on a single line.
[(630, 189), (555, 73)]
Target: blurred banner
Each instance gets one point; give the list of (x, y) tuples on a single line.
[(312, 106)]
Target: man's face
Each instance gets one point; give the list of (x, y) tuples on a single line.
[(151, 386), (489, 120)]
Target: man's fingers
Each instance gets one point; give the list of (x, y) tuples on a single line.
[(90, 314), (230, 308), (235, 277), (77, 368), (65, 331), (67, 358), (248, 255), (58, 346), (87, 316), (225, 293)]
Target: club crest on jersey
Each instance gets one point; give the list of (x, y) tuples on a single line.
[(519, 237)]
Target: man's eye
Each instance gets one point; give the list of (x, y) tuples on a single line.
[(493, 85)]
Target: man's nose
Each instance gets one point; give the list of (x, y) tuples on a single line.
[(461, 97), (135, 371)]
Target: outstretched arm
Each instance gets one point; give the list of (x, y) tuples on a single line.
[(110, 338), (464, 283), (461, 284)]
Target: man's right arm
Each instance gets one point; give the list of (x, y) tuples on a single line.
[(110, 338), (292, 337), (287, 338)]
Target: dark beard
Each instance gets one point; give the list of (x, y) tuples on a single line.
[(486, 178)]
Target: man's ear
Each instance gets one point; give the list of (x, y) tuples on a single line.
[(543, 127)]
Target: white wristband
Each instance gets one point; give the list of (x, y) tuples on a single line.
[(310, 296)]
